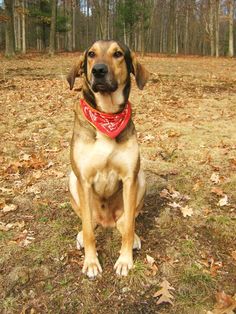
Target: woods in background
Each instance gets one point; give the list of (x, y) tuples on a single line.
[(203, 27)]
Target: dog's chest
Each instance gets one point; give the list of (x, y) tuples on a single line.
[(106, 183), (102, 164)]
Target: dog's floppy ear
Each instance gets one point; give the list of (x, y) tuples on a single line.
[(139, 71), (76, 71)]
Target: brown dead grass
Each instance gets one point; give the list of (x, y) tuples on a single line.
[(186, 123)]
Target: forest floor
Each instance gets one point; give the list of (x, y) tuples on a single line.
[(186, 124)]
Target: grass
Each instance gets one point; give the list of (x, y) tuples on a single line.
[(138, 275), (9, 305), (188, 247), (222, 228), (194, 288)]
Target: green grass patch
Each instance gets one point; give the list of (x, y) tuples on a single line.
[(194, 289), (194, 275), (188, 247)]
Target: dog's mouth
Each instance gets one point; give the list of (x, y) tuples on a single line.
[(104, 86)]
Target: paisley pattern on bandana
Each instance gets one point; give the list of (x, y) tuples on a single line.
[(110, 124)]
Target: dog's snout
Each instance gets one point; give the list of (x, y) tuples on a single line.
[(99, 70)]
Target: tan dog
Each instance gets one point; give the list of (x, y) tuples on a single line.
[(106, 184)]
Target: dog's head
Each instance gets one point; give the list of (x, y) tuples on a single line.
[(106, 65)]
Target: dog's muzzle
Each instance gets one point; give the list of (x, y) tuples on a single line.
[(101, 79)]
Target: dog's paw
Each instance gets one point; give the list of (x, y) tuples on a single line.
[(92, 267), (123, 265), (137, 242), (79, 240)]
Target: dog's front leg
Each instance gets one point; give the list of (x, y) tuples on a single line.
[(125, 225), (91, 263)]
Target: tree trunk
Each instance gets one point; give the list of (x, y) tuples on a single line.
[(87, 24), (217, 26), (39, 38), (176, 34), (9, 31), (186, 40), (69, 24), (17, 25), (176, 29), (53, 28), (23, 28), (142, 33), (231, 28), (73, 24), (107, 32), (211, 28)]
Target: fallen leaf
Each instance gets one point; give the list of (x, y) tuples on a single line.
[(154, 269), (3, 226), (33, 189), (217, 191), (37, 174), (225, 304), (9, 226), (223, 201), (173, 133), (7, 191), (186, 211), (175, 194), (150, 260), (2, 203), (148, 138), (26, 157), (215, 178), (233, 254), (174, 205), (197, 186), (9, 208), (58, 174), (24, 238), (49, 165), (164, 193), (214, 266), (164, 293)]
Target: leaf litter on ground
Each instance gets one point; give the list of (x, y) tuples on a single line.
[(173, 194)]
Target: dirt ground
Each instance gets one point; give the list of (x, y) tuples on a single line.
[(186, 124)]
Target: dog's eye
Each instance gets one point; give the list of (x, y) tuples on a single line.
[(117, 54), (91, 54)]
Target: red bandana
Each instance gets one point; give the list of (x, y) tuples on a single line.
[(110, 124)]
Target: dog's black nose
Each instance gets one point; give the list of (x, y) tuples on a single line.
[(99, 70)]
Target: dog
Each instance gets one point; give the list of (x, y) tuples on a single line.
[(106, 184)]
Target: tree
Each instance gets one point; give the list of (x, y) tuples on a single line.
[(17, 25), (9, 29), (211, 26), (53, 28), (73, 24), (217, 27), (23, 27), (231, 29), (69, 18)]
